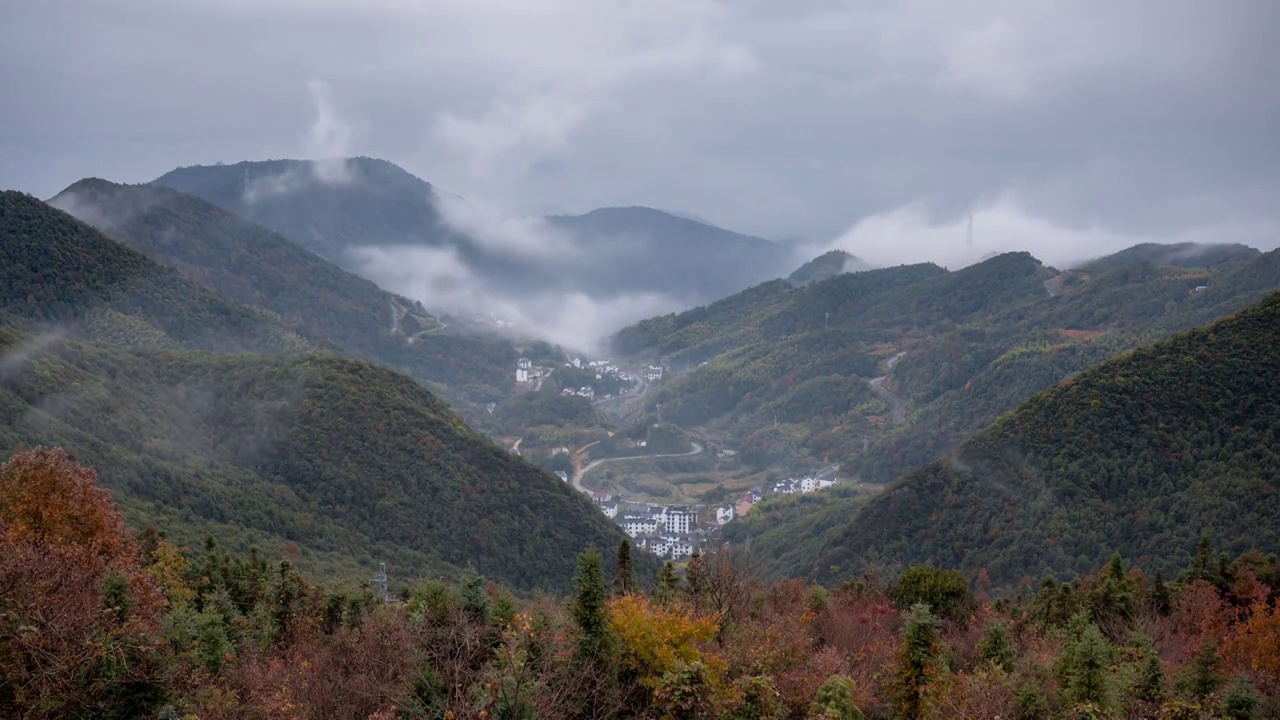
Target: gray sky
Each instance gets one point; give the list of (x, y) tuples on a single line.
[(876, 126)]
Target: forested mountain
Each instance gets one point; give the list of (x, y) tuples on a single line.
[(638, 249), (826, 265), (60, 273), (348, 463), (785, 371), (604, 253), (1142, 454), (257, 267), (1186, 254)]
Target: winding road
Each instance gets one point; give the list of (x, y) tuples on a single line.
[(577, 479), (877, 386)]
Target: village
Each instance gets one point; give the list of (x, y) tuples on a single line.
[(673, 532)]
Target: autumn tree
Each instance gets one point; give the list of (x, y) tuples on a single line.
[(79, 620)]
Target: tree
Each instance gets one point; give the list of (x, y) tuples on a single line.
[(1160, 596), (1086, 665), (1149, 685), (997, 647), (917, 660), (48, 500), (588, 606), (668, 587), (946, 592), (1204, 674), (475, 602), (834, 700), (1240, 700), (624, 576), (79, 620)]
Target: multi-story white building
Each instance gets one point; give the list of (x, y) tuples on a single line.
[(522, 375), (639, 524), (680, 521), (524, 364), (724, 514)]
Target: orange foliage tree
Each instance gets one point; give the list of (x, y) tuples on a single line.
[(78, 619)]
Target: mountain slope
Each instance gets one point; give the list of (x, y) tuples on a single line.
[(58, 271), (965, 347), (351, 463), (1186, 254), (827, 265), (638, 249), (255, 266), (609, 252), (1141, 454)]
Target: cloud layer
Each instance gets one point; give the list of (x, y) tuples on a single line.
[(1104, 118)]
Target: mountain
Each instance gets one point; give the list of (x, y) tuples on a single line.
[(252, 265), (637, 249), (338, 208), (1186, 254), (338, 463), (348, 462), (1142, 454), (885, 370), (59, 272), (826, 265)]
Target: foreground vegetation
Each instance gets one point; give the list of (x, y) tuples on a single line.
[(96, 621)]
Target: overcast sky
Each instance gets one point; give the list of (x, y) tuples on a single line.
[(1079, 122)]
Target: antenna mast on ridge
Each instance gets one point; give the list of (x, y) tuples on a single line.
[(380, 581)]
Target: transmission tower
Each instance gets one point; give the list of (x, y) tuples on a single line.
[(380, 581)]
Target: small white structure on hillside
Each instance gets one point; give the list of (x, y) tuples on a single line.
[(724, 514), (522, 375)]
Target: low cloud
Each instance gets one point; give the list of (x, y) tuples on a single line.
[(501, 231), (912, 234), (441, 281), (15, 359), (328, 144)]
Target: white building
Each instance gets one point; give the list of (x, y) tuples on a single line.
[(653, 372), (610, 509), (522, 375), (562, 475), (808, 484), (724, 514), (524, 364), (680, 547), (680, 521), (639, 524)]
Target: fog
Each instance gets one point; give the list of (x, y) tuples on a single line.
[(444, 284), (912, 234)]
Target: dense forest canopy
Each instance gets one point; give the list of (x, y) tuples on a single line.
[(1143, 454)]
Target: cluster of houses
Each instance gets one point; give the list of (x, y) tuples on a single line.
[(585, 391), (668, 531), (527, 372), (806, 484)]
